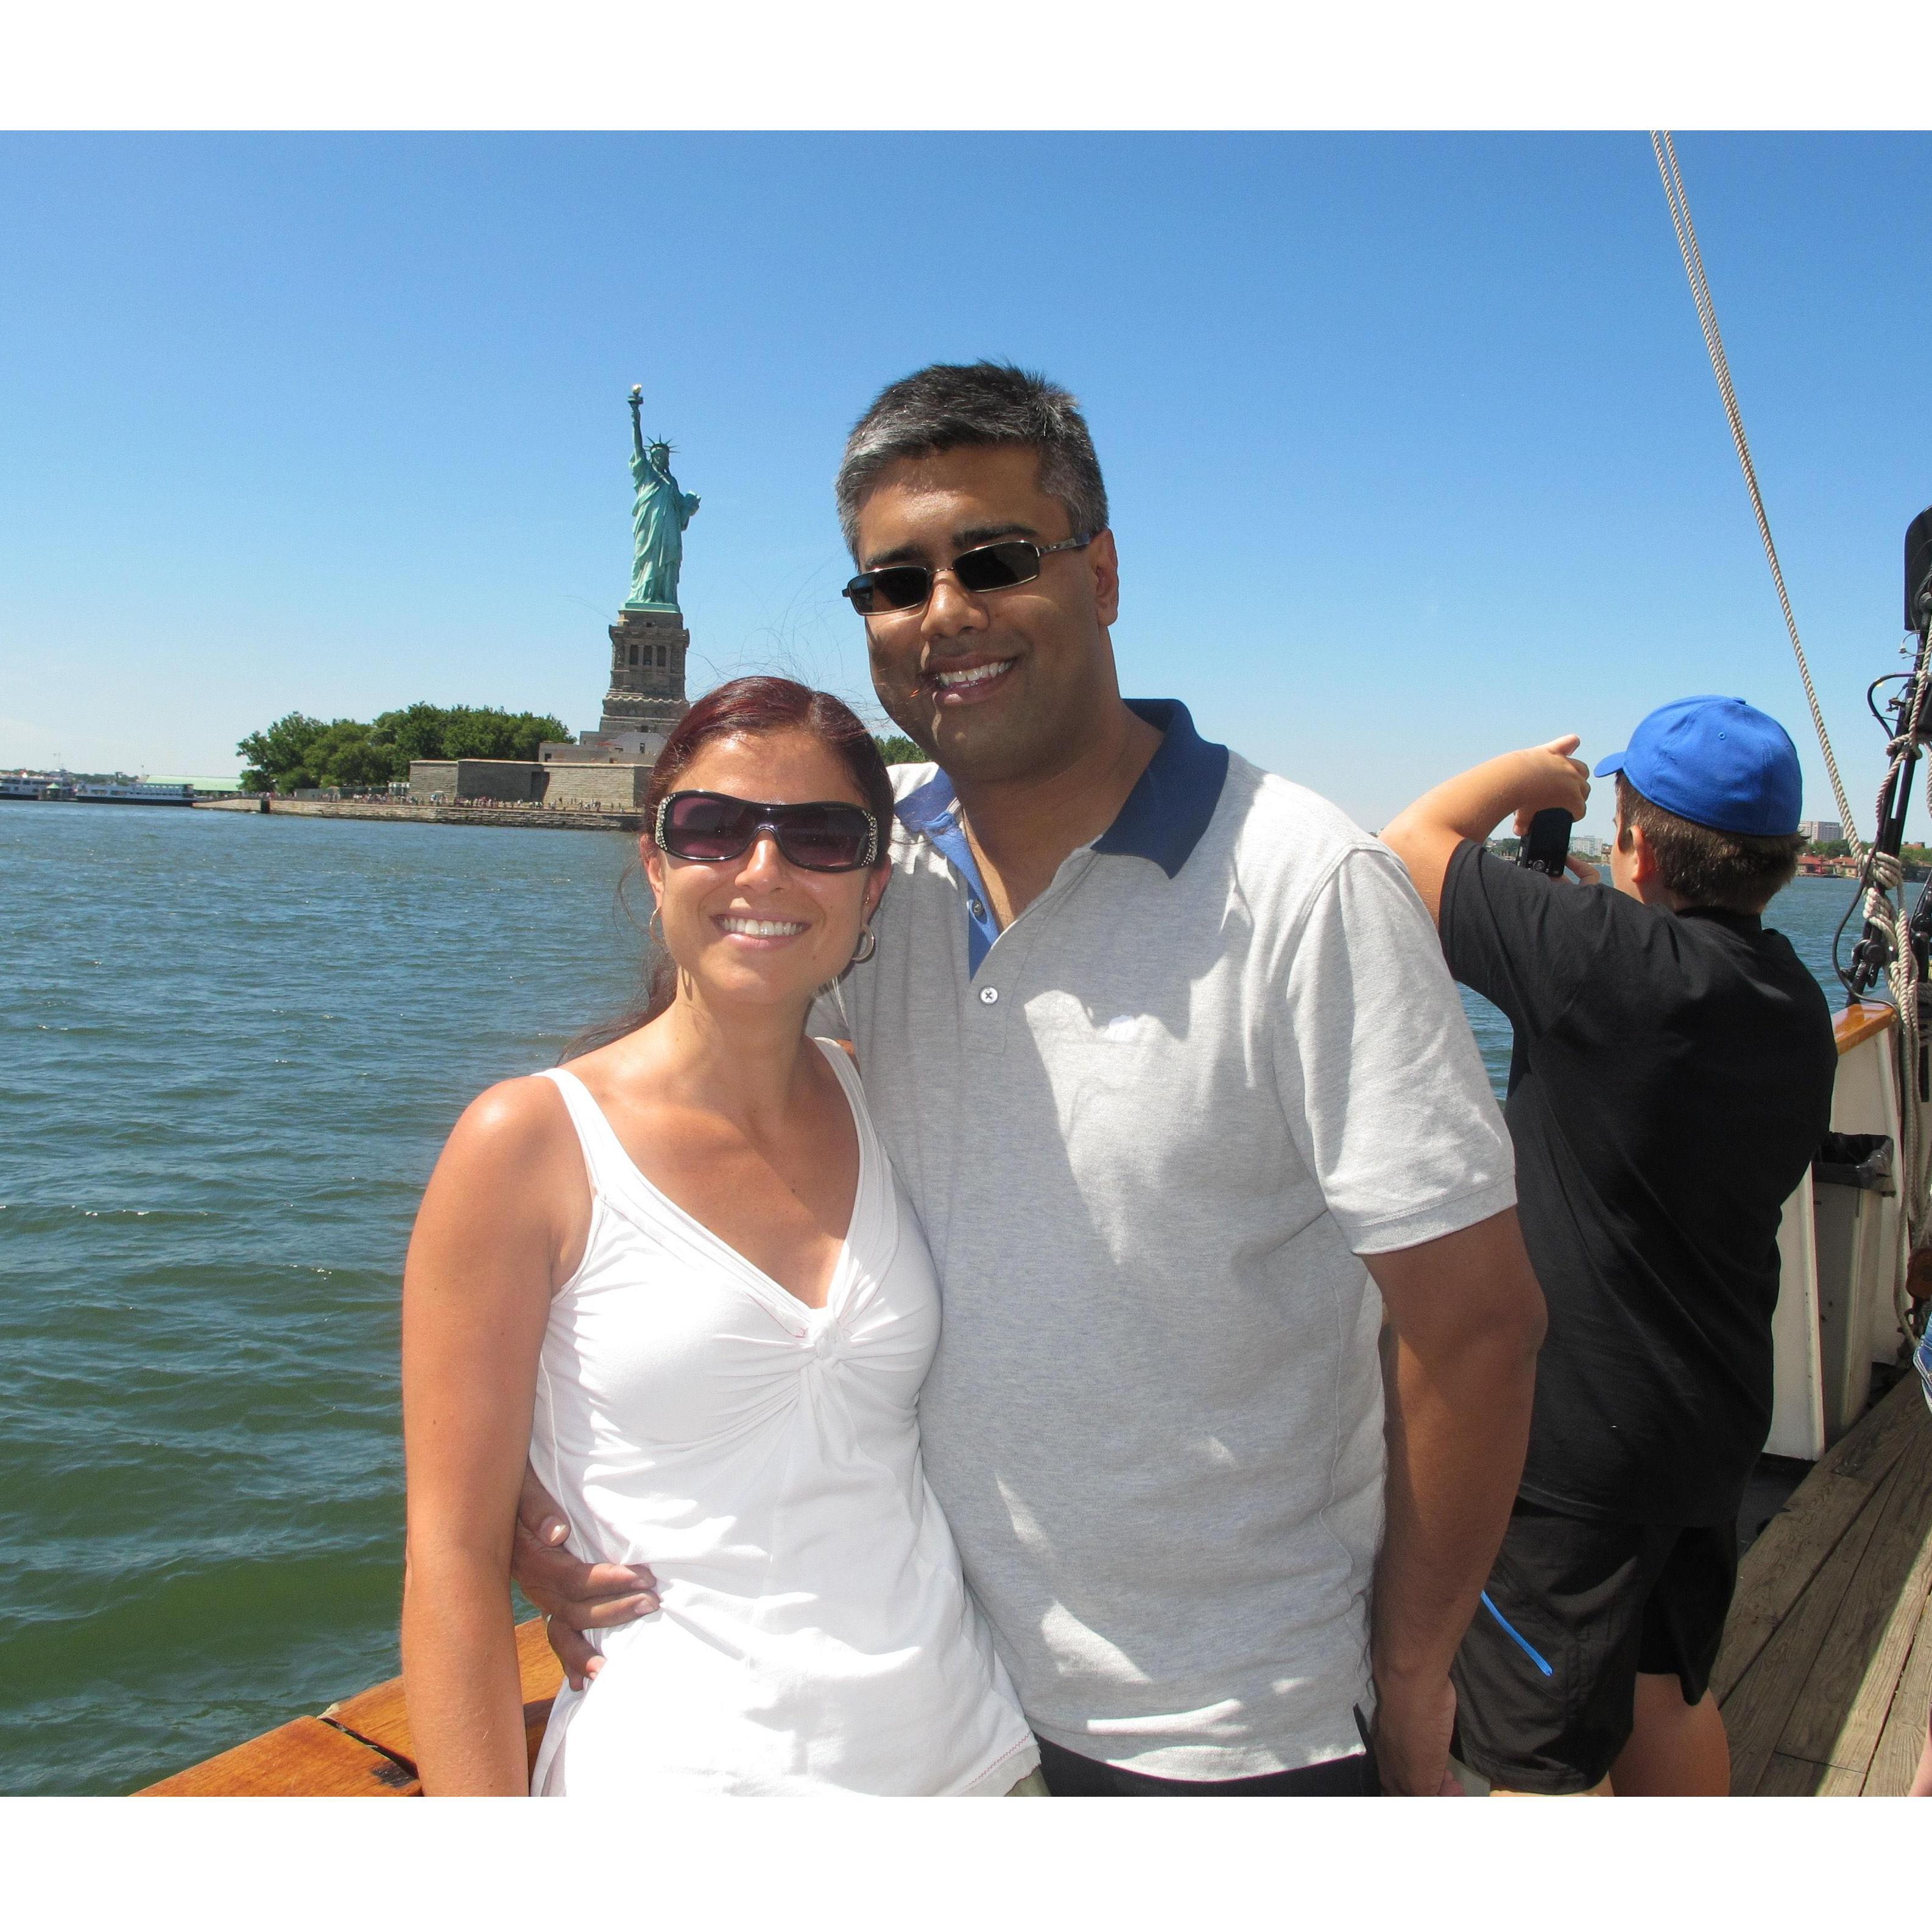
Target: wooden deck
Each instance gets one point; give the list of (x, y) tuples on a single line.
[(1826, 1676)]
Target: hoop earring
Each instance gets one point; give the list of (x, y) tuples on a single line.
[(654, 928), (869, 944)]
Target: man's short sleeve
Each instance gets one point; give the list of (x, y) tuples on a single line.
[(1522, 939), (1384, 1089)]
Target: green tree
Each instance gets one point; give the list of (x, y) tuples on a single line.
[(1831, 848), (282, 747), (487, 731), (535, 728), (350, 755), (297, 752), (337, 739), (480, 732), (416, 731), (898, 749)]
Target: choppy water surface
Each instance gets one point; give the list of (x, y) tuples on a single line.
[(232, 1046)]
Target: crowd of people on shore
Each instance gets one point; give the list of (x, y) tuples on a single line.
[(1040, 1298)]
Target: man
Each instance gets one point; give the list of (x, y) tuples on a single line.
[(1672, 1079), (1164, 1051)]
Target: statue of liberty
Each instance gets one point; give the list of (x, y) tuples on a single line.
[(658, 519)]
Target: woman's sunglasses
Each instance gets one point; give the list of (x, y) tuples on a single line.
[(830, 836), (996, 566)]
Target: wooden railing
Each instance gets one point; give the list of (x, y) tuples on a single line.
[(1857, 1025), (360, 1748)]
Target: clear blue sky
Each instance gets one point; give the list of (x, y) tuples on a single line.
[(1414, 451)]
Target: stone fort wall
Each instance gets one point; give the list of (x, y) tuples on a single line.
[(578, 787)]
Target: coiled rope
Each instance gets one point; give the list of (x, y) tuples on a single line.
[(1883, 873)]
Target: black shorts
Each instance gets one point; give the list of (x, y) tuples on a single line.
[(1576, 1609), (1069, 1776)]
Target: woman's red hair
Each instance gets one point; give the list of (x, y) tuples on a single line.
[(750, 707)]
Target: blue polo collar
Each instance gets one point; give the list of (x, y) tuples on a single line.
[(1163, 820), (1169, 807)]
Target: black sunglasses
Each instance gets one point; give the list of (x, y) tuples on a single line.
[(828, 836), (994, 566)]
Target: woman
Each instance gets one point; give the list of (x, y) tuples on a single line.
[(681, 1276)]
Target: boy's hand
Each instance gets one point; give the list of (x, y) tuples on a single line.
[(1471, 805), (1550, 777), (1582, 872)]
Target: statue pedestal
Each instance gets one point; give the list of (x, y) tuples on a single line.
[(647, 654)]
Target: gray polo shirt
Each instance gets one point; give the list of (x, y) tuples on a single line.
[(1150, 1128)]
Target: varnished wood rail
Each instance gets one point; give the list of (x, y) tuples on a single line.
[(1857, 1025), (359, 1748)]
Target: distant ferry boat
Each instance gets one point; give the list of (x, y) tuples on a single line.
[(19, 787), (135, 794)]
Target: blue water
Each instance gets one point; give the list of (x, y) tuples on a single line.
[(233, 1045)]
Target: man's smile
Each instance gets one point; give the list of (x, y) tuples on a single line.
[(965, 685)]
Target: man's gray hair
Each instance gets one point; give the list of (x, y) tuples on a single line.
[(961, 405)]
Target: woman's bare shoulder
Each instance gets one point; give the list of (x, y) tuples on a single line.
[(510, 1183), (510, 1125)]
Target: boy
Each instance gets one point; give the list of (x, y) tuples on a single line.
[(1671, 1081)]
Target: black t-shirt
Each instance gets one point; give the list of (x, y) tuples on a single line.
[(1671, 1082)]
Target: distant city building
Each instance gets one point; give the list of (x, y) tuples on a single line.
[(203, 784), (1821, 831)]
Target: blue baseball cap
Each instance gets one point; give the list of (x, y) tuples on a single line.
[(1716, 762)]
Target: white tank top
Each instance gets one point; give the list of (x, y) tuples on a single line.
[(763, 1458)]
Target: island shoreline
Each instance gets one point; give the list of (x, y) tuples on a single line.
[(400, 811)]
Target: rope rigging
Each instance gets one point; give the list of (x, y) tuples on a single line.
[(1720, 367), (1887, 946)]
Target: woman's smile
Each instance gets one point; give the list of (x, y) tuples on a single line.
[(744, 930)]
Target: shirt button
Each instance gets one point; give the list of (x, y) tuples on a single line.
[(989, 996), (978, 910)]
